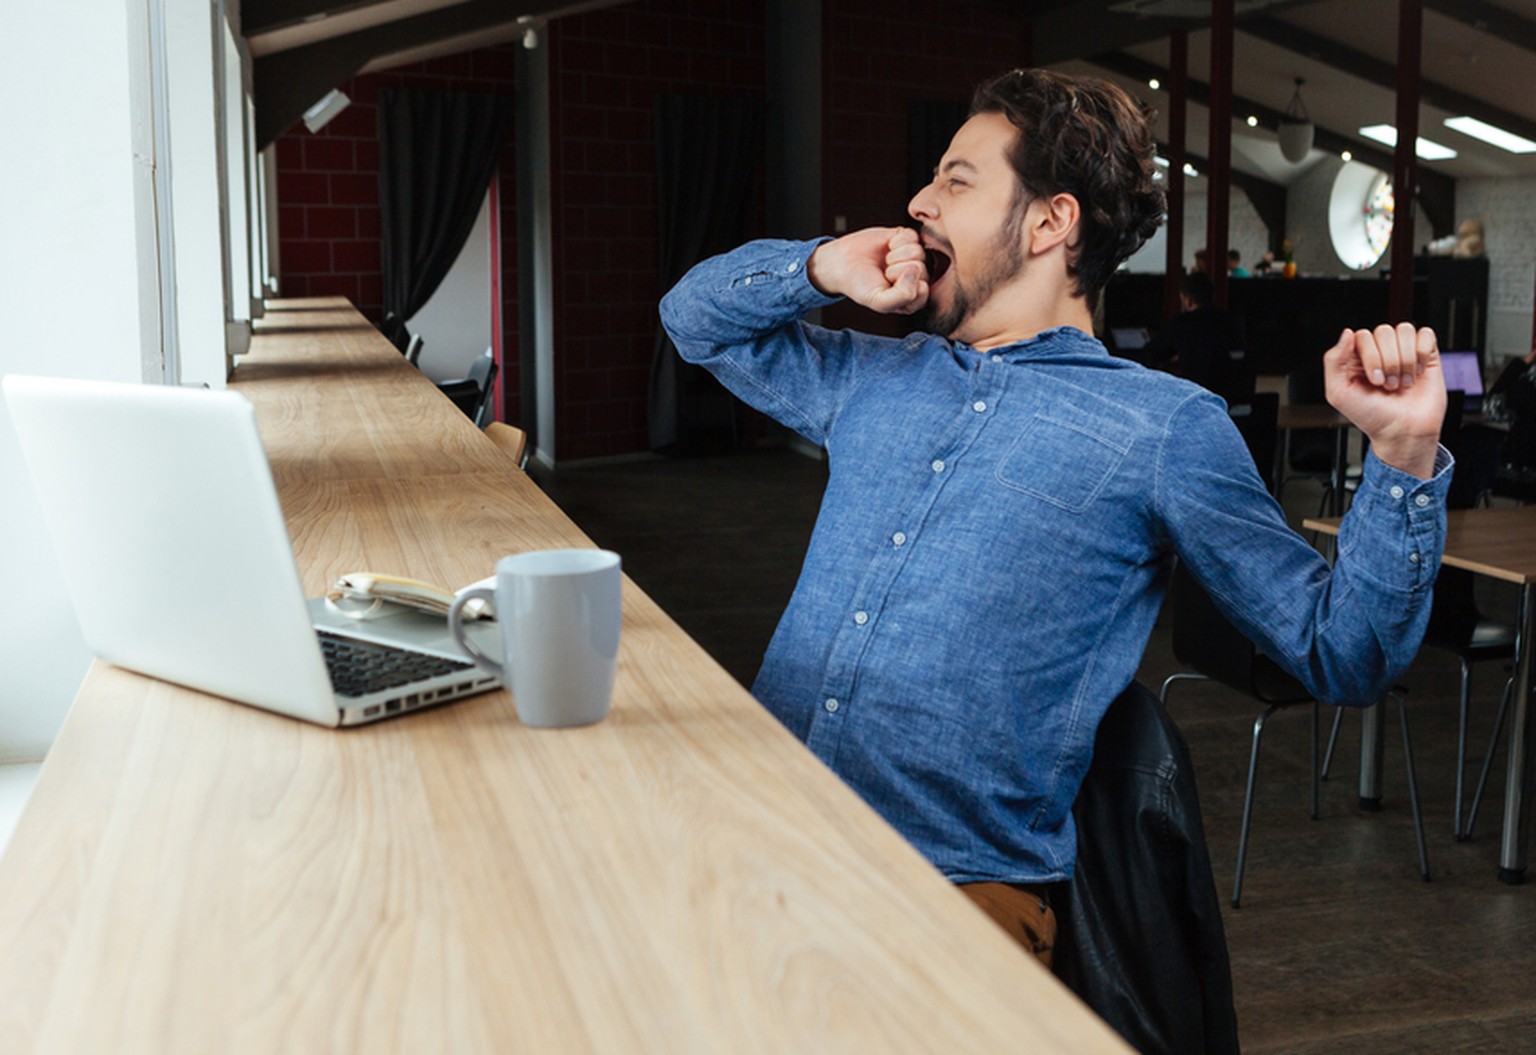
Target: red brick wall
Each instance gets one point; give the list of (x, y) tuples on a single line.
[(607, 69), (880, 57), (328, 194)]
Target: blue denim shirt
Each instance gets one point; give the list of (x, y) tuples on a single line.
[(994, 545)]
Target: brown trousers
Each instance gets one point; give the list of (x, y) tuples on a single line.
[(1021, 910)]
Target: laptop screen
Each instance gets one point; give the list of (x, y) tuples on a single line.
[(1462, 373), (1129, 338)]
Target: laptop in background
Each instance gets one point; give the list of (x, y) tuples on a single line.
[(1129, 338), (161, 506), (1462, 374)]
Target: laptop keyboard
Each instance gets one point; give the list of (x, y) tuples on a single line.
[(360, 667)]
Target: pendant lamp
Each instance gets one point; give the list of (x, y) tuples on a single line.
[(1296, 129)]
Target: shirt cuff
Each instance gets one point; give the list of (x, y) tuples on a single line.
[(1395, 530), (781, 267)]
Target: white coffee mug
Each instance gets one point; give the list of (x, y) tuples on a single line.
[(559, 616)]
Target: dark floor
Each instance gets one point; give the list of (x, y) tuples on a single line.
[(1339, 946)]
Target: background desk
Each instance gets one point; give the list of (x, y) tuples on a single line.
[(197, 876)]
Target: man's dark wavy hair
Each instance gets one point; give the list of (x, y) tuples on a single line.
[(1085, 137)]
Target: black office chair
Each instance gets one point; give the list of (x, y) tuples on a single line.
[(1215, 650), (1308, 452), (413, 350), (1456, 624), (1255, 418), (472, 393)]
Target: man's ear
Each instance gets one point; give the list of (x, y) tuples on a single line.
[(1054, 223)]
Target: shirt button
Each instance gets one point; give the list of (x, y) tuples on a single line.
[(899, 539), (1396, 492), (863, 617), (938, 465), (794, 265), (1413, 558), (831, 706), (748, 281), (1421, 501), (997, 358), (979, 406)]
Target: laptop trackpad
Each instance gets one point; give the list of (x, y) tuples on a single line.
[(410, 629)]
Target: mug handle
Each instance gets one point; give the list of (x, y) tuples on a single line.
[(456, 628)]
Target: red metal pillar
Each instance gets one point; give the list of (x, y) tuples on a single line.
[(1178, 98), (1219, 176), (1405, 164)]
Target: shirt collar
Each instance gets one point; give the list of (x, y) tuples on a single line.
[(1059, 342)]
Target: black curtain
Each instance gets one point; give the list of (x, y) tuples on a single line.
[(708, 152), (437, 151)]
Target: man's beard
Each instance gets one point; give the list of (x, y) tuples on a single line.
[(1004, 262)]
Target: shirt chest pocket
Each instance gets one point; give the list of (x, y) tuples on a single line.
[(1064, 463)]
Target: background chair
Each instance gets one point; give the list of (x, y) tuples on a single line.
[(1456, 624), (1308, 452), (413, 350), (511, 439), (1255, 419), (1215, 650), (472, 393)]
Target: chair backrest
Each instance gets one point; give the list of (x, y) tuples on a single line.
[(511, 439), (1311, 450), (1255, 418), (1205, 642), (413, 349), (483, 373)]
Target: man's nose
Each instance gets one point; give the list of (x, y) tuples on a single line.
[(921, 207)]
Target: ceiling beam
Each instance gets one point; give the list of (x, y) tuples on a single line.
[(1489, 18), (1437, 191), (288, 82), (263, 16), (1266, 196), (1383, 74)]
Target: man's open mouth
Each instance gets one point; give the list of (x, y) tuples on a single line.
[(937, 261)]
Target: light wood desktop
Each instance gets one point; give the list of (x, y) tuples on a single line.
[(1500, 543), (192, 875)]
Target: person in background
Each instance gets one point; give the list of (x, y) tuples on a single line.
[(1235, 267), (1006, 499), (1202, 262), (1515, 390), (1203, 343)]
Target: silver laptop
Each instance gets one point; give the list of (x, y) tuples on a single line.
[(176, 556)]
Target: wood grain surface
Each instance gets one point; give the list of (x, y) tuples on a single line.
[(1499, 541), (192, 875)]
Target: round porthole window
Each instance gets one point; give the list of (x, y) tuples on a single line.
[(1360, 215)]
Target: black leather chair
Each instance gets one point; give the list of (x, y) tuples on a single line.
[(1140, 937)]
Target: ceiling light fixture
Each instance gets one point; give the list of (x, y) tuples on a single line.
[(1427, 149), (1296, 129), (530, 27), (331, 103), (1492, 134), (1154, 84), (1346, 156)]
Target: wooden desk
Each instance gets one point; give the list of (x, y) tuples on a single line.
[(196, 876), (1501, 543)]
